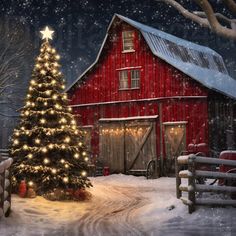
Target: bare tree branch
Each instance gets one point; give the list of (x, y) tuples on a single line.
[(231, 5), (210, 21), (214, 23)]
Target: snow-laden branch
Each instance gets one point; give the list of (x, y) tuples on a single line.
[(210, 19)]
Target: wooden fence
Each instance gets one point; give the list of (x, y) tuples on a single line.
[(5, 186), (193, 174)]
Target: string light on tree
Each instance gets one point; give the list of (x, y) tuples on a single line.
[(47, 144)]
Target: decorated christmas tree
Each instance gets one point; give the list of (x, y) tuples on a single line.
[(48, 146)]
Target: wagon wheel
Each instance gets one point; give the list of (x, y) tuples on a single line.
[(152, 169), (231, 182)]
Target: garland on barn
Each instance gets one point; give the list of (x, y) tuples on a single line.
[(47, 146)]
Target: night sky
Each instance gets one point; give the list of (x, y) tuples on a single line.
[(81, 26)]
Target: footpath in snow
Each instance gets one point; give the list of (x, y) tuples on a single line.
[(121, 205)]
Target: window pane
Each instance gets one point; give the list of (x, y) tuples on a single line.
[(135, 78), (128, 40), (123, 79)]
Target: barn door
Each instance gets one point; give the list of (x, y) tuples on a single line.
[(111, 145), (127, 146), (175, 143), (140, 145)]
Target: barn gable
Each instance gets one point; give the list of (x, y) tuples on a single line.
[(198, 62)]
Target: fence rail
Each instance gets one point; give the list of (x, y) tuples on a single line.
[(192, 174), (5, 186)]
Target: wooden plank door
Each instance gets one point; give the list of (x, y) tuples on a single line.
[(140, 145), (175, 143), (111, 146)]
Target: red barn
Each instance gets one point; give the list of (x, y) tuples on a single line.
[(149, 94)]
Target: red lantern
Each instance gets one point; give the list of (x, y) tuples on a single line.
[(106, 171), (22, 189)]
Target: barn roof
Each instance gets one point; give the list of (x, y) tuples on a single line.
[(199, 62)]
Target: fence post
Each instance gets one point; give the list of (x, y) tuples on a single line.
[(178, 179), (2, 191), (191, 183)]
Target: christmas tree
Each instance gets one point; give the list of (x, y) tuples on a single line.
[(47, 146)]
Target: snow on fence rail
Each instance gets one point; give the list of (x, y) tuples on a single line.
[(5, 186), (192, 175)]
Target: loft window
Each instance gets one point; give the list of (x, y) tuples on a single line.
[(129, 79), (135, 78), (128, 40), (123, 79)]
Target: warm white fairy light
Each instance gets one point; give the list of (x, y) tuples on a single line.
[(27, 113), (63, 146), (54, 97), (45, 103), (57, 57), (30, 183), (28, 103), (84, 153), (67, 139), (62, 161), (22, 128), (53, 50), (46, 161), (33, 104), (17, 133), (46, 64), (43, 72), (44, 149), (73, 126), (38, 65), (73, 122), (46, 56), (51, 146), (80, 144), (54, 171), (42, 112), (30, 156), (22, 165), (48, 92), (37, 140), (54, 71), (27, 132), (54, 81), (52, 112), (25, 147), (76, 132), (65, 179), (16, 141), (86, 158), (63, 120), (28, 96), (30, 88), (66, 166), (33, 82), (40, 85), (63, 86), (83, 173), (76, 156), (69, 109), (42, 121)]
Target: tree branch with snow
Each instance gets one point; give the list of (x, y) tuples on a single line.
[(208, 18)]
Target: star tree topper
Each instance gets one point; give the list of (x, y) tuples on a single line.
[(47, 33)]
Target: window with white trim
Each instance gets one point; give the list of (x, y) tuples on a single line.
[(123, 79), (128, 40), (135, 78), (129, 79)]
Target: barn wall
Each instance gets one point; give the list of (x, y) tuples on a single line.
[(158, 80)]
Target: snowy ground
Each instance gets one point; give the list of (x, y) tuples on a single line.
[(121, 205)]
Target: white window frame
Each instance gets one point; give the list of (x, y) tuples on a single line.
[(128, 42), (135, 78), (123, 79)]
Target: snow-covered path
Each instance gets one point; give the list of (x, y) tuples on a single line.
[(121, 205)]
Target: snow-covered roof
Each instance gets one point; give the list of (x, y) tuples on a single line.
[(199, 62)]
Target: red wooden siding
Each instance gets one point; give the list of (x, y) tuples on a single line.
[(158, 80)]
